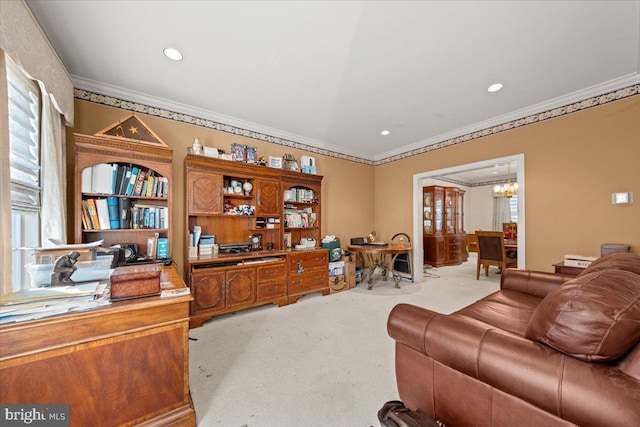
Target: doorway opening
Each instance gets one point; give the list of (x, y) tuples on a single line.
[(418, 179)]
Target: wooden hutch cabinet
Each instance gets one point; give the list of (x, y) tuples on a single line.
[(136, 208), (245, 208), (444, 238)]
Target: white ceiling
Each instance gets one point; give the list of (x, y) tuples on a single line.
[(333, 74)]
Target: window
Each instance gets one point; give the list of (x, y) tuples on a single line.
[(24, 145), (513, 205)]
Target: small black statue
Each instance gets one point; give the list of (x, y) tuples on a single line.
[(63, 269)]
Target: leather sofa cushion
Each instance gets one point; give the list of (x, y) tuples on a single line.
[(594, 317), (617, 261), (506, 310)]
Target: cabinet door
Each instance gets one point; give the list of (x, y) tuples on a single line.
[(268, 197), (241, 287), (208, 291), (204, 193)]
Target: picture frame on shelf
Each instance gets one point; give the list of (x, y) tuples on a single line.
[(275, 162), (287, 240)]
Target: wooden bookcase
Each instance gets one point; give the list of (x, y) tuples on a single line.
[(444, 238), (229, 282), (105, 148)]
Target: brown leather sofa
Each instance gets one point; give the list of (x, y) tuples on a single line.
[(545, 350)]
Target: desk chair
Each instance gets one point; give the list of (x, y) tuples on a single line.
[(403, 261), (491, 251)]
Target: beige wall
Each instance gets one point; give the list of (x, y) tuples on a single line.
[(572, 165), (347, 187)]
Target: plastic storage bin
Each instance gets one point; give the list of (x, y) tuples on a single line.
[(87, 271)]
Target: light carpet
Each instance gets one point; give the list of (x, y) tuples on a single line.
[(323, 361)]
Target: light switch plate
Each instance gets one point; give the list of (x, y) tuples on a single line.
[(622, 198)]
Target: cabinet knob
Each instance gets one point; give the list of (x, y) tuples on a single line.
[(300, 269)]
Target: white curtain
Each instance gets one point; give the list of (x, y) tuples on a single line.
[(5, 185), (501, 212), (53, 212)]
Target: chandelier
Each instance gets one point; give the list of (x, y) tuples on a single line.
[(508, 189)]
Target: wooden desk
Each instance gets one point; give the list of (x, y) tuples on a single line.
[(378, 256), (123, 364)]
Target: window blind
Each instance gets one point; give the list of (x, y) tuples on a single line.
[(24, 129)]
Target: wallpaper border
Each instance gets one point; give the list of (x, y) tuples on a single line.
[(137, 107)]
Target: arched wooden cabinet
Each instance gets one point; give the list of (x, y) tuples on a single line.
[(444, 238)]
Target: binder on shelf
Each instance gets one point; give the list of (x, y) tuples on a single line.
[(124, 205), (93, 213), (86, 219), (103, 214), (117, 182), (124, 181), (114, 212), (102, 178), (87, 179), (132, 181)]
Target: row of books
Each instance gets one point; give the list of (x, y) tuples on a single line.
[(299, 219), (124, 180), (299, 195), (119, 213)]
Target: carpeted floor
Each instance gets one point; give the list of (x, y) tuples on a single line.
[(323, 361)]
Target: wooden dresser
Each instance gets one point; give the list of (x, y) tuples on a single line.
[(124, 364)]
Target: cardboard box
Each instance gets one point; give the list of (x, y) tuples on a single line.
[(135, 281), (336, 268), (350, 271), (337, 284)]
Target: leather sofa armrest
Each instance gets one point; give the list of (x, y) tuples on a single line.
[(536, 283), (407, 324)]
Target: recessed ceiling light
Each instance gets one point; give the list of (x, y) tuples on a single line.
[(172, 53), (385, 132), (494, 87)]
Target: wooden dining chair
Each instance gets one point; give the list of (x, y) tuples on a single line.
[(491, 251)]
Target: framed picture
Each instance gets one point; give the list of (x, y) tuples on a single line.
[(275, 162), (287, 240)]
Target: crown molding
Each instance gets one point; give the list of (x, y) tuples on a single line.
[(125, 98), (499, 121), (118, 97)]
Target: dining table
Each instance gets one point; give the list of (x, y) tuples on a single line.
[(382, 255)]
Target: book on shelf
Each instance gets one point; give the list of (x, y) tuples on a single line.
[(114, 212), (103, 214), (148, 185), (162, 248), (93, 214), (137, 189)]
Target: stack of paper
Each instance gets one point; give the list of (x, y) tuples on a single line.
[(36, 303)]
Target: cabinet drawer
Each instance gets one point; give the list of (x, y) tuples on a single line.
[(272, 271), (308, 260), (312, 281), (271, 290)]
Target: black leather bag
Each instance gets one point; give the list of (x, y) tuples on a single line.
[(395, 414)]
